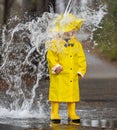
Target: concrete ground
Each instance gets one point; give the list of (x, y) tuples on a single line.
[(98, 105)]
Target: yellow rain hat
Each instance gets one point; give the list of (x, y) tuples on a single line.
[(67, 23)]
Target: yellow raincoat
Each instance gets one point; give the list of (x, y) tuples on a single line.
[(64, 87)]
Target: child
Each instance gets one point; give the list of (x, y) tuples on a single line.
[(66, 63)]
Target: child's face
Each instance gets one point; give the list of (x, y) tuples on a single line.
[(69, 34)]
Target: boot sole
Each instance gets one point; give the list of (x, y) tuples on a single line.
[(73, 121)]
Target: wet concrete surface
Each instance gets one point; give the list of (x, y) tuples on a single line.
[(57, 127), (98, 68), (97, 108)]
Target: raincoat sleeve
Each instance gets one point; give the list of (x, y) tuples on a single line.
[(81, 62), (52, 59)]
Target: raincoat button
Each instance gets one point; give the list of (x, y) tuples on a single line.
[(70, 56), (70, 68), (70, 80)]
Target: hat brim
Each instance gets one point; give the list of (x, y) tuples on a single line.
[(74, 25), (67, 23)]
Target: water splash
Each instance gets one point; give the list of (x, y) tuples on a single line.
[(23, 62), (69, 7), (92, 15), (23, 58)]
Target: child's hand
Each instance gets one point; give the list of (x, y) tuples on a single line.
[(58, 69)]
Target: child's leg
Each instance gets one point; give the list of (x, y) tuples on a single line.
[(72, 111), (54, 110)]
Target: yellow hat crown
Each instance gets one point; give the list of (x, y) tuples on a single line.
[(67, 22)]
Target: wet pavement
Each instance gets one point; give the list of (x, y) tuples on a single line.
[(97, 108), (59, 127)]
